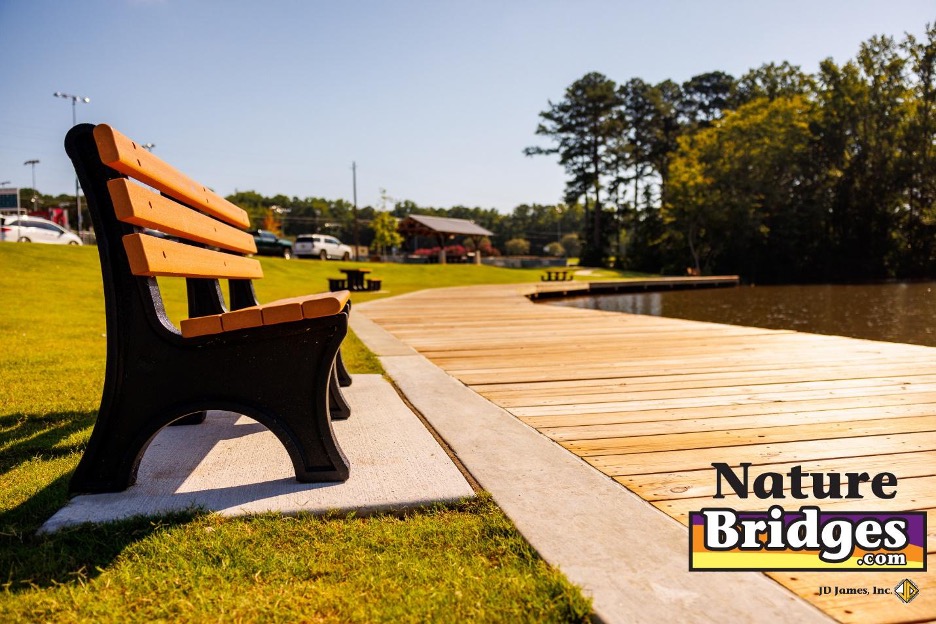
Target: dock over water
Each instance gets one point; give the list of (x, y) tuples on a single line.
[(551, 290), (652, 402)]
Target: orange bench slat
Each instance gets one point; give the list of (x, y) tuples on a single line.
[(126, 156), (152, 256), (139, 206), (275, 312)]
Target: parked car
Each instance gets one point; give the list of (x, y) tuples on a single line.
[(269, 244), (321, 246), (26, 229)]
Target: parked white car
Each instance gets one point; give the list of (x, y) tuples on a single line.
[(25, 229), (321, 246)]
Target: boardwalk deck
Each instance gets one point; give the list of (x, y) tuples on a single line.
[(652, 402)]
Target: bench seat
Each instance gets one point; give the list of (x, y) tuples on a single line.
[(281, 311)]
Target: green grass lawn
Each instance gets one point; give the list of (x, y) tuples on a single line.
[(460, 562)]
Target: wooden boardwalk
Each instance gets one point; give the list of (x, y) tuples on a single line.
[(652, 402)]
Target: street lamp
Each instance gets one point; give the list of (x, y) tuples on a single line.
[(559, 224), (354, 183), (75, 99), (32, 163), (4, 183), (148, 146)]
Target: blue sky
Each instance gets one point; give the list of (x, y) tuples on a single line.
[(434, 100)]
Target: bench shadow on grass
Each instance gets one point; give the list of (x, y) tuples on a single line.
[(71, 555)]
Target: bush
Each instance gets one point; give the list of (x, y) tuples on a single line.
[(555, 249), (487, 249), (517, 247), (572, 245)]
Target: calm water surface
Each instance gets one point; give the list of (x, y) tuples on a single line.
[(889, 312)]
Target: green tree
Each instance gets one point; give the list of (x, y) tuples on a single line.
[(517, 247), (556, 249), (771, 81), (864, 106), (643, 111), (705, 98), (584, 126), (734, 189), (384, 226), (572, 245), (918, 220)]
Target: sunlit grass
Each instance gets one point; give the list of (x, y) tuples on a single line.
[(462, 562)]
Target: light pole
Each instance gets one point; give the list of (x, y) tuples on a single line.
[(75, 99), (148, 146), (354, 184), (559, 224), (33, 164)]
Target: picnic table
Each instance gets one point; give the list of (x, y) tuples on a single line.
[(557, 275), (356, 278)]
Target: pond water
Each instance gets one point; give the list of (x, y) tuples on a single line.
[(903, 312)]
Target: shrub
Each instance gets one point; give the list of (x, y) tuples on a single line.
[(517, 247)]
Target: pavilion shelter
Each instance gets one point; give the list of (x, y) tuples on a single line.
[(443, 230)]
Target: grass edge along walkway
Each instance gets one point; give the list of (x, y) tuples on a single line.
[(445, 563)]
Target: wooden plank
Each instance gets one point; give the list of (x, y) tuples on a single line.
[(491, 374), (654, 427), (653, 402), (887, 404), (743, 437), (698, 380), (912, 493), (532, 399), (201, 326), (324, 304), (151, 256), (658, 362), (142, 207), (701, 483), (244, 318), (787, 452), (281, 311), (126, 156), (307, 307), (717, 400)]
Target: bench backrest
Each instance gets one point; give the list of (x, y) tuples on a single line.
[(185, 210), (207, 238)]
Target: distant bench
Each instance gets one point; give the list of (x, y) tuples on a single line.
[(355, 280), (557, 275), (276, 363)]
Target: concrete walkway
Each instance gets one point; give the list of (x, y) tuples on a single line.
[(233, 465), (629, 557)]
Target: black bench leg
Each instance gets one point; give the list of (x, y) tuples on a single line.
[(192, 419), (338, 407), (344, 377), (289, 394)]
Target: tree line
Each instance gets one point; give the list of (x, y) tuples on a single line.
[(539, 225), (779, 175)]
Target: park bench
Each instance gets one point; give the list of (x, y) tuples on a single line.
[(275, 363), (354, 280), (557, 275)]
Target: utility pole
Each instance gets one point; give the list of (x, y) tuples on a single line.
[(354, 184), (74, 100)]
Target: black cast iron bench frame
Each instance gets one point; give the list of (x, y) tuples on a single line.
[(284, 375)]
